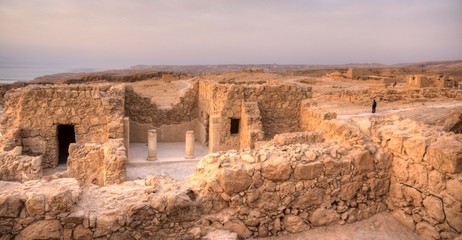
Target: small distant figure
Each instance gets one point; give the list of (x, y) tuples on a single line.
[(394, 84), (374, 105)]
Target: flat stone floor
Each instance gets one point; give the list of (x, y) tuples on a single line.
[(170, 160)]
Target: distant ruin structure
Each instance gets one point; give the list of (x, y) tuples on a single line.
[(438, 81)]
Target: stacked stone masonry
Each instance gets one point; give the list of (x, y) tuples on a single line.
[(313, 170), (95, 111)]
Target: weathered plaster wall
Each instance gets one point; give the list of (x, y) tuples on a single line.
[(168, 132), (32, 114)]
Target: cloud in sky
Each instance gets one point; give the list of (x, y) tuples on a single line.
[(119, 33)]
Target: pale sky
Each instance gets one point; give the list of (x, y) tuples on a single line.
[(122, 33)]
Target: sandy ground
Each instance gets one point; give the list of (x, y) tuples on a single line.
[(381, 226)]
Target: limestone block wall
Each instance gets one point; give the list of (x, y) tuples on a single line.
[(17, 167), (251, 125), (96, 111), (100, 164), (426, 185), (291, 188)]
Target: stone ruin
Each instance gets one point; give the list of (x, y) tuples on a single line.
[(439, 81), (288, 168)]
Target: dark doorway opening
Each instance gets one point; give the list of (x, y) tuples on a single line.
[(234, 126), (66, 136)]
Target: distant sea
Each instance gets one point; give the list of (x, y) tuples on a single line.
[(11, 74)]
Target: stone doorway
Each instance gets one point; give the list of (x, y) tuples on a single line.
[(66, 136)]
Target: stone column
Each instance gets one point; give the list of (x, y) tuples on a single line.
[(152, 145), (189, 148), (126, 121)]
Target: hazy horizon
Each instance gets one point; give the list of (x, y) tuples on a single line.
[(119, 34)]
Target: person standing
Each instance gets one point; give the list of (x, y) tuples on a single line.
[(374, 105)]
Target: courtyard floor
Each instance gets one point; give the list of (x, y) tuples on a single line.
[(170, 160)]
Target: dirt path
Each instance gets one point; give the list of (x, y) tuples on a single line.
[(426, 113), (381, 226)]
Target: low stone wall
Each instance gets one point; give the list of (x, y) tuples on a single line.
[(257, 193), (311, 118), (298, 137), (17, 167), (273, 190), (38, 209), (98, 164)]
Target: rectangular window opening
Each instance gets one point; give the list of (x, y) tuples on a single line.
[(235, 126)]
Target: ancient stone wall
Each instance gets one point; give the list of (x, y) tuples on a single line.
[(17, 167), (426, 185), (311, 118), (251, 125), (439, 81), (419, 81), (142, 110), (278, 103), (342, 173), (265, 192), (100, 164), (35, 112)]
